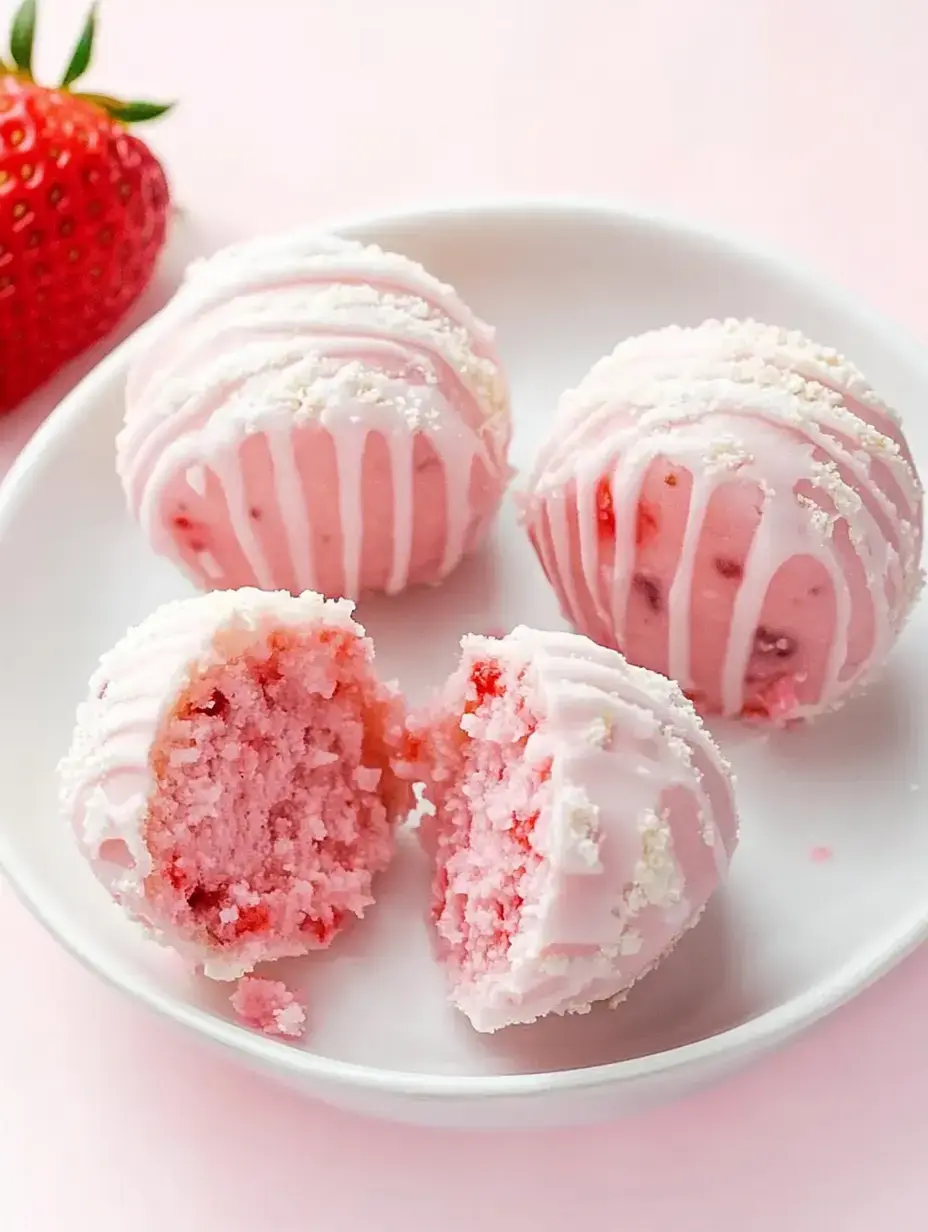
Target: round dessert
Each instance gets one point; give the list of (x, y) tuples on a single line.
[(732, 506), (310, 413), (231, 777), (581, 819)]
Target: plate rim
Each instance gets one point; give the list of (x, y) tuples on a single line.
[(758, 1034)]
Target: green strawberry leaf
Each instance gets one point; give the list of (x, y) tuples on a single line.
[(80, 57), (128, 113), (22, 36), (137, 113)]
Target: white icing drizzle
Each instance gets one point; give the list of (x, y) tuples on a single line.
[(300, 263), (196, 479), (292, 503), (297, 330), (588, 528), (351, 447), (726, 402), (745, 616), (626, 492), (228, 470), (558, 515), (210, 565), (678, 600), (400, 445)]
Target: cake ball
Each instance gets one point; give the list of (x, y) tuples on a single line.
[(311, 413), (231, 777), (581, 819), (734, 507)]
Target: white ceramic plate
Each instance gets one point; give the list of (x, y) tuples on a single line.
[(829, 887)]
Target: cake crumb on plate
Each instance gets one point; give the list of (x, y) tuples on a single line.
[(269, 1006)]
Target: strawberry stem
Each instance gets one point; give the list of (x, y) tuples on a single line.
[(80, 57), (128, 113), (22, 37), (22, 40)]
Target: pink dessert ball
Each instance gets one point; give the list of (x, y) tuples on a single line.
[(582, 819), (310, 413), (732, 506), (231, 777)]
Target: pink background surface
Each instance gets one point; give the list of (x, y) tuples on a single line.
[(804, 122)]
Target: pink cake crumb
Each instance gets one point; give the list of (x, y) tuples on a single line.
[(269, 1006)]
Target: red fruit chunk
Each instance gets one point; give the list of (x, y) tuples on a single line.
[(770, 642), (201, 899), (605, 514), (522, 829), (251, 920), (645, 523), (729, 569), (322, 931), (650, 590), (486, 678)]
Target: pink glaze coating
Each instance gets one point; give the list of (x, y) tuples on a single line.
[(732, 506), (310, 413), (269, 1006), (582, 819), (231, 776)]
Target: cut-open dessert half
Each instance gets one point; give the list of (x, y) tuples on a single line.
[(232, 775), (583, 818)]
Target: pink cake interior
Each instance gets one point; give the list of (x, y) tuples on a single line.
[(275, 794), (489, 800)]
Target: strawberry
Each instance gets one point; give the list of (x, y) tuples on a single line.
[(83, 212)]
